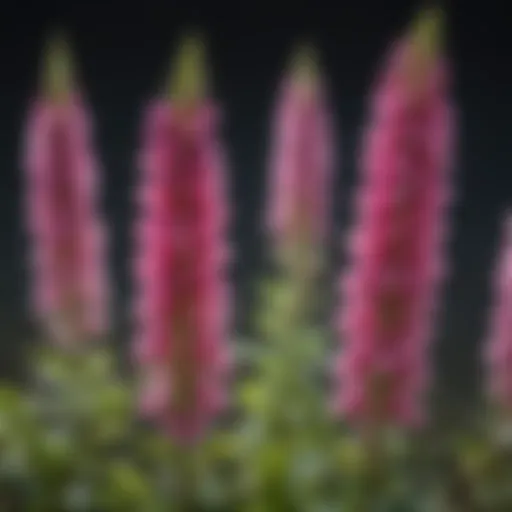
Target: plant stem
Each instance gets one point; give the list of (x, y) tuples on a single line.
[(372, 482), (186, 476)]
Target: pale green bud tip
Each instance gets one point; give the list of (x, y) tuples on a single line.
[(57, 69), (304, 66), (426, 31), (188, 78)]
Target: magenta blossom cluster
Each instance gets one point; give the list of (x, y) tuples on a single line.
[(182, 293), (396, 248), (66, 229), (498, 356), (302, 158)]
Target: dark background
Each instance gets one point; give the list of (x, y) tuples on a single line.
[(123, 52)]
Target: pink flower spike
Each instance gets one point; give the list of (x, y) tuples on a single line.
[(498, 349), (68, 243), (181, 263), (302, 156), (396, 256)]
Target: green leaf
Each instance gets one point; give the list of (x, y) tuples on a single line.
[(125, 485), (252, 396)]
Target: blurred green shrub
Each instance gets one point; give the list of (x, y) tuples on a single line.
[(70, 441)]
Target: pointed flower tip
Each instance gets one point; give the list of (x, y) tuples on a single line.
[(188, 77), (304, 64), (427, 29), (57, 72)]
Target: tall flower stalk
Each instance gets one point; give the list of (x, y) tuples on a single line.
[(77, 400), (66, 230), (301, 160), (396, 248), (181, 262), (284, 400), (498, 355)]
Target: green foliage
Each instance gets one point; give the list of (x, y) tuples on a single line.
[(484, 462), (71, 441), (285, 439), (67, 442)]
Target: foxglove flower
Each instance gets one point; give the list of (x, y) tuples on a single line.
[(396, 249), (181, 266), (65, 227), (283, 395), (498, 356), (302, 158)]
